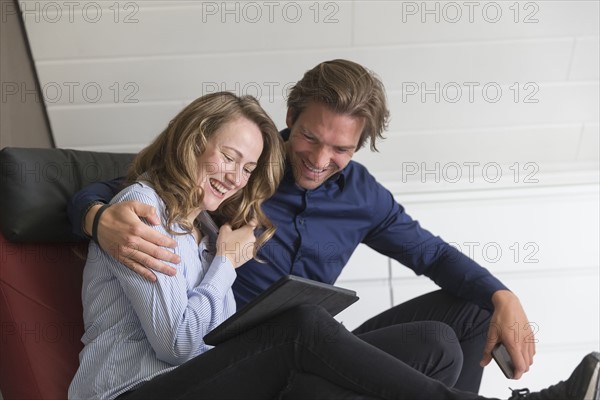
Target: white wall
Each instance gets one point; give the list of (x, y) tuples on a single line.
[(510, 165)]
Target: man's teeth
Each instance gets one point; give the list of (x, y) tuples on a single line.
[(218, 187), (315, 170)]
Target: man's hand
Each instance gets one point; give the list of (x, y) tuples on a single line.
[(237, 245), (510, 326), (126, 238)]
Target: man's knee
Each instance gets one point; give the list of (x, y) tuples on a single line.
[(439, 337), (442, 357)]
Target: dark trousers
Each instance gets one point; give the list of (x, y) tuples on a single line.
[(264, 363), (469, 322), (446, 321)]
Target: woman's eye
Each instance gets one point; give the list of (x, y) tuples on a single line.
[(227, 157)]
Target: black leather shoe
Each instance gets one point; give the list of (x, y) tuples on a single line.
[(583, 384)]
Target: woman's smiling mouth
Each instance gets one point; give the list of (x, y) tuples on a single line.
[(219, 188)]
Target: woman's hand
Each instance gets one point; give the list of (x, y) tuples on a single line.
[(237, 245)]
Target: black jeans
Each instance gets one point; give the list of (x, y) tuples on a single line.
[(469, 322), (446, 320), (263, 362)]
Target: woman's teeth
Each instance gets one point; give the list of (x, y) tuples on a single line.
[(218, 186)]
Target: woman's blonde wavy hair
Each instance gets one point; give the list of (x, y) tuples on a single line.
[(170, 163)]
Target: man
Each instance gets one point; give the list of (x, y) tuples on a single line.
[(326, 205)]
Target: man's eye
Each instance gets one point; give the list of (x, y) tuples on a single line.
[(309, 138)]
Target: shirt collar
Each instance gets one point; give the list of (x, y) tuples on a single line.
[(338, 177)]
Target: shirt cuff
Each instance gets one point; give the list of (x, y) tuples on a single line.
[(220, 275)]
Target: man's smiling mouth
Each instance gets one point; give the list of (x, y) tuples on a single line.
[(312, 169)]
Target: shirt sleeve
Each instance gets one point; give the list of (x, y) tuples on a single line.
[(81, 201), (175, 317), (400, 237)]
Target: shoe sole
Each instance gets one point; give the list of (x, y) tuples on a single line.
[(593, 390)]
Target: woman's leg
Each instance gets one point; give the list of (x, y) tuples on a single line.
[(303, 386), (260, 363)]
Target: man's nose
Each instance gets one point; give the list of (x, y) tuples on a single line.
[(322, 157)]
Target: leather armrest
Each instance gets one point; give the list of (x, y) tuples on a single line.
[(36, 184)]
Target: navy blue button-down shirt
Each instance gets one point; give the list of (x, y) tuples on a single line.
[(318, 230)]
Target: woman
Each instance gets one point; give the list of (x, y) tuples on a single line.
[(219, 151), (144, 340)]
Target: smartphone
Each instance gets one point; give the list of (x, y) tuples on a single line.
[(208, 227), (502, 358)]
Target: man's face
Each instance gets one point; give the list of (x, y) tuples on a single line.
[(322, 142)]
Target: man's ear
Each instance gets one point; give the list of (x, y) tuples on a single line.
[(288, 118)]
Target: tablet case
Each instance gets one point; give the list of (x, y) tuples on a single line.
[(289, 291)]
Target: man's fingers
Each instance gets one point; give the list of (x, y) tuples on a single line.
[(487, 353), (140, 270), (532, 351), (146, 211), (153, 236), (143, 255), (150, 256), (518, 355), (156, 239), (519, 363), (158, 266)]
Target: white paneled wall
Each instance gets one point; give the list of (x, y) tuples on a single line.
[(517, 66), (493, 142)]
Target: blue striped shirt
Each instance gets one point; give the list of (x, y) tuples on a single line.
[(135, 329)]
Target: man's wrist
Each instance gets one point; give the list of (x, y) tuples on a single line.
[(503, 296), (97, 222), (88, 218)]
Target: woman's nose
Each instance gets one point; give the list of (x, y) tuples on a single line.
[(235, 176)]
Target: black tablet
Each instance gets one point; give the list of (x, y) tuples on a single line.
[(289, 291)]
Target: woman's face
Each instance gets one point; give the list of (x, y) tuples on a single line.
[(230, 157)]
